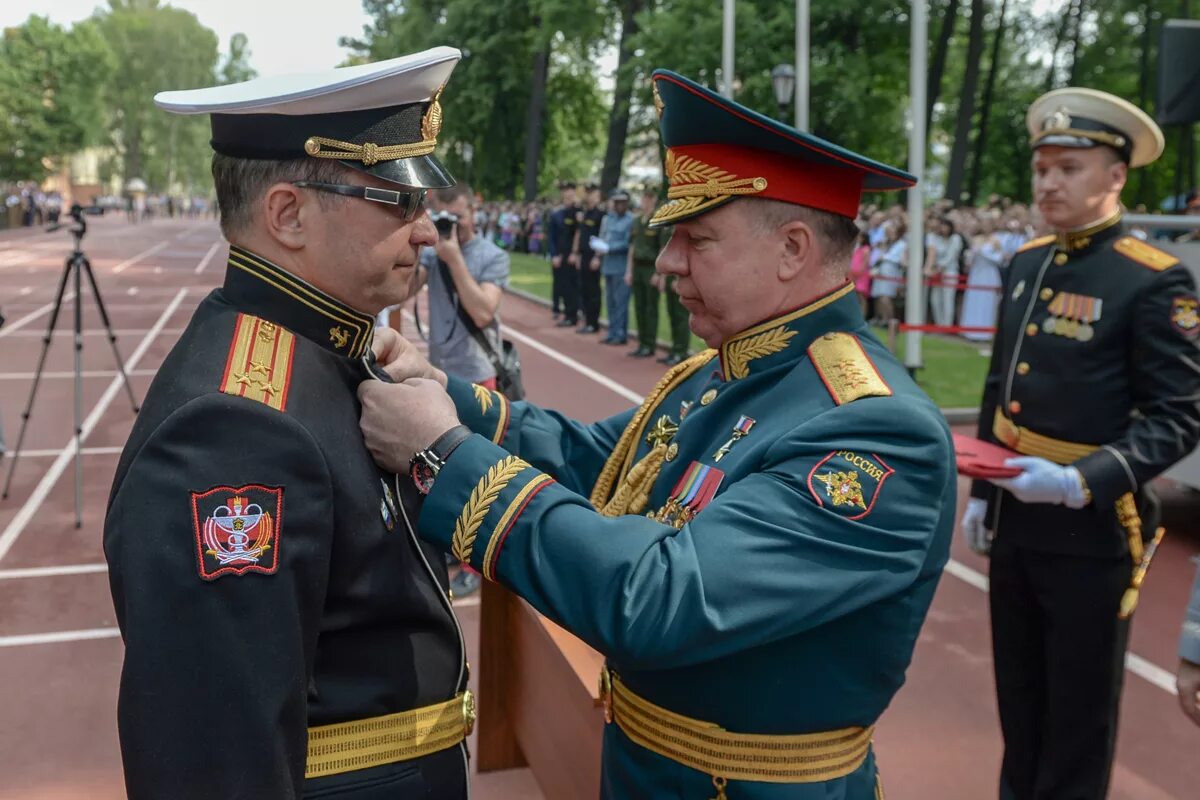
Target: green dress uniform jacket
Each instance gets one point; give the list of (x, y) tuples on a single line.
[(265, 579), (756, 546)]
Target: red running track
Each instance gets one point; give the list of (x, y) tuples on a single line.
[(60, 659)]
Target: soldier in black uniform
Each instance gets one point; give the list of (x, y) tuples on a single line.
[(564, 261), (1093, 379), (280, 619), (589, 260)]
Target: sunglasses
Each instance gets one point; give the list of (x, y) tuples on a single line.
[(408, 204)]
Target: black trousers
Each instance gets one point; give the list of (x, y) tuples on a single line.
[(556, 303), (568, 281), (1059, 653), (589, 293)]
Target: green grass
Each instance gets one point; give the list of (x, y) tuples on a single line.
[(953, 373)]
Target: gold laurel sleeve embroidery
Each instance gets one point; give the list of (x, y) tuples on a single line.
[(482, 497), (741, 353), (483, 396)]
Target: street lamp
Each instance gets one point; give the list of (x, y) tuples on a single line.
[(783, 81)]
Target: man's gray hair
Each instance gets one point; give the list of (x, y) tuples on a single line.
[(836, 233), (242, 182)]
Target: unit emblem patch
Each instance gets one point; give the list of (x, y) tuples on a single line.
[(848, 483), (1185, 315), (237, 530)]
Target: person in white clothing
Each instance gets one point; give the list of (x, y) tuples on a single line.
[(942, 251), (983, 285)]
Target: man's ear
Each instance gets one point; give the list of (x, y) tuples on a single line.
[(800, 249), (286, 210), (1118, 173)]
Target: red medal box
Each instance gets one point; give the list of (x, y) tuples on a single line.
[(980, 459)]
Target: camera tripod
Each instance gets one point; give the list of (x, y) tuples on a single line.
[(76, 266)]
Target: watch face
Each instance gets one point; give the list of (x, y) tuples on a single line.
[(422, 476)]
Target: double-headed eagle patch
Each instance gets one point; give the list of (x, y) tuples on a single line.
[(848, 483)]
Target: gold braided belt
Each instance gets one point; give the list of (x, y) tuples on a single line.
[(709, 748), (372, 742), (1061, 451)]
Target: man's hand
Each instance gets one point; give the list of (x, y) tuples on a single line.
[(401, 360), (595, 263), (974, 529), (1187, 681), (555, 261), (629, 278), (399, 419), (1043, 481), (573, 260), (448, 249)]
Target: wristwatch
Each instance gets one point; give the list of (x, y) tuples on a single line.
[(426, 464)]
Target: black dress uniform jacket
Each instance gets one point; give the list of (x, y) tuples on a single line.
[(330, 611), (1095, 346)]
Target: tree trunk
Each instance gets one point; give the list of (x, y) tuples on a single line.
[(537, 116), (938, 67), (1144, 92), (618, 118), (1076, 35), (985, 107), (1059, 36), (966, 106)]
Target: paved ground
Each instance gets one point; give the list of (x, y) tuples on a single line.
[(60, 656)]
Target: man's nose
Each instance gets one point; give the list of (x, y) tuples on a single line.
[(671, 259), (424, 231)]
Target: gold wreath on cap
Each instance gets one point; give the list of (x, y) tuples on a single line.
[(370, 153)]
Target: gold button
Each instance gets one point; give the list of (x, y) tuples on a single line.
[(1014, 407), (1031, 329), (708, 397), (1046, 294), (1023, 368), (672, 451), (1061, 259)]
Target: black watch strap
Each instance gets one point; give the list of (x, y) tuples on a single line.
[(445, 444)]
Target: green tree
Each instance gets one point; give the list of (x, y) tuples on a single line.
[(49, 90), (161, 48), (235, 66), (489, 102)]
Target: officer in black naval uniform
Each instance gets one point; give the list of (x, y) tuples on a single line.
[(564, 261), (286, 635), (1094, 380)]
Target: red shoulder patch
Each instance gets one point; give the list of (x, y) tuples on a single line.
[(237, 530)]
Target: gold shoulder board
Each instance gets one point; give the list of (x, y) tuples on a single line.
[(1038, 242), (259, 365), (845, 369), (1145, 254)]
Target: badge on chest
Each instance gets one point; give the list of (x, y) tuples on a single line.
[(1073, 315), (695, 489)]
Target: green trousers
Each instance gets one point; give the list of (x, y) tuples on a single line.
[(645, 304), (680, 333)]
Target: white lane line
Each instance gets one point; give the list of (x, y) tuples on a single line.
[(94, 332), (622, 391), (87, 373), (38, 496), (9, 329), (52, 572), (129, 262), (60, 636), (87, 451), (1146, 670), (212, 251)]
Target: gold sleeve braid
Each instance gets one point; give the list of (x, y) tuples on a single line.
[(620, 462)]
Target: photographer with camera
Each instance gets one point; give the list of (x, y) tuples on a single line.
[(465, 273)]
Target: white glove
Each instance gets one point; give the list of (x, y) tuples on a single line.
[(978, 537), (1043, 481)]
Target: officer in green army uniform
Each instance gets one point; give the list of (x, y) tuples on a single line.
[(755, 547), (645, 243), (1094, 381)]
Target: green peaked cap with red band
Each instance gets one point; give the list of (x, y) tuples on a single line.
[(718, 150)]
